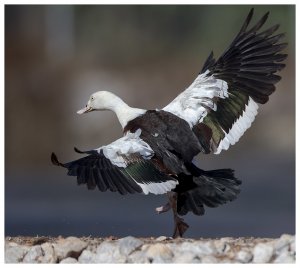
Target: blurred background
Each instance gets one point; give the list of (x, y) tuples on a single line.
[(56, 56)]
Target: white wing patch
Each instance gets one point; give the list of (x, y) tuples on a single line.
[(239, 127), (158, 187), (129, 144), (192, 104)]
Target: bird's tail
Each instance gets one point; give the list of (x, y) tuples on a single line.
[(210, 188)]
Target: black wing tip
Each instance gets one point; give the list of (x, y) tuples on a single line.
[(247, 21), (257, 26), (250, 15), (266, 15), (55, 161), (264, 18), (260, 23)]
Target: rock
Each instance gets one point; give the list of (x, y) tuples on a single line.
[(244, 256), (48, 254), (128, 244), (186, 257), (159, 259), (87, 257), (283, 242), (14, 253), (138, 257), (220, 246), (206, 248), (262, 253), (33, 254), (11, 244), (144, 247), (225, 260), (227, 248), (208, 259), (108, 252), (69, 247), (161, 238), (198, 248), (69, 260), (159, 253), (293, 247), (285, 257)]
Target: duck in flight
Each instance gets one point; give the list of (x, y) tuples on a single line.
[(157, 150)]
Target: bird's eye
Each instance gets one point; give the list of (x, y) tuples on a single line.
[(92, 98)]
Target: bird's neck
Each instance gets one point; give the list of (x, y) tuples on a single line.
[(124, 112)]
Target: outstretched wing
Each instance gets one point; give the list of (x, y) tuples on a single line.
[(125, 166), (221, 103)]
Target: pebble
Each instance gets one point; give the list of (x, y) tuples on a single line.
[(159, 253), (244, 256), (14, 253), (109, 252), (262, 253), (159, 259), (69, 247), (205, 248), (138, 257), (220, 246), (293, 246), (282, 243), (87, 257), (48, 255), (128, 244), (198, 248), (69, 260), (285, 257), (225, 260), (33, 254), (208, 259), (161, 238), (187, 257)]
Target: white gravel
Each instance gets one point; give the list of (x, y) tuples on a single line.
[(149, 250)]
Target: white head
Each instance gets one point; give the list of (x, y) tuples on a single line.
[(104, 100), (100, 101)]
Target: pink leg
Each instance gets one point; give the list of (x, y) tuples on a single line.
[(179, 225)]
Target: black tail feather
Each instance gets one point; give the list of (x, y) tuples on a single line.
[(210, 188)]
